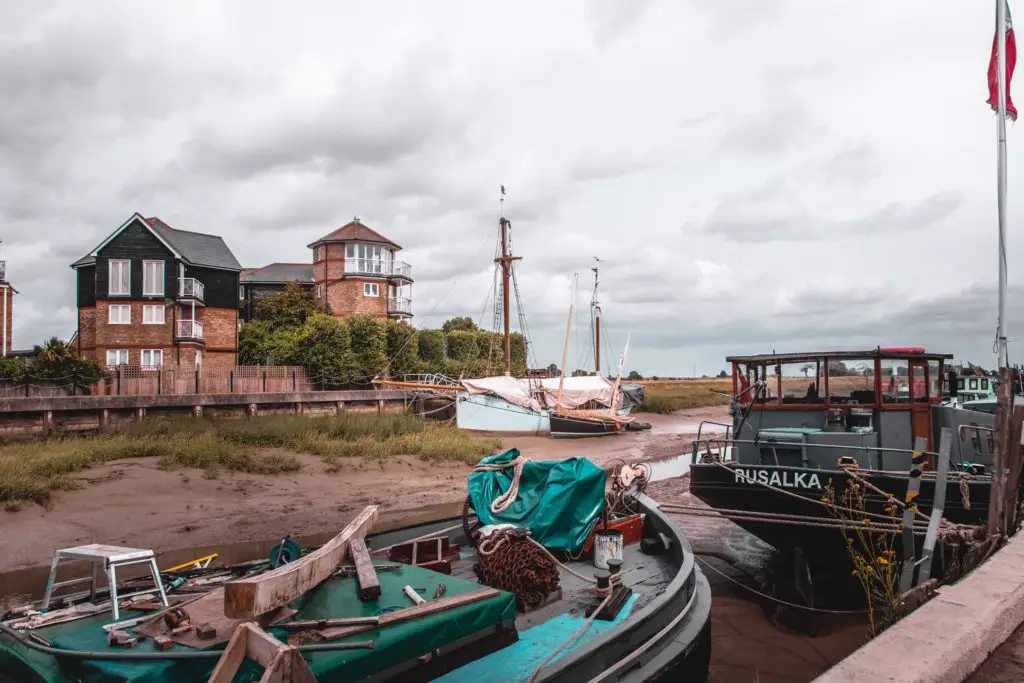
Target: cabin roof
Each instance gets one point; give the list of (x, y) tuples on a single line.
[(880, 352), (279, 273)]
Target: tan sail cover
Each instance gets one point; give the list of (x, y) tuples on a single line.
[(576, 392)]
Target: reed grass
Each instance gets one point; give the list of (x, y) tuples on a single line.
[(666, 397), (29, 471)]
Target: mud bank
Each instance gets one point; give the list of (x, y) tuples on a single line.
[(134, 502)]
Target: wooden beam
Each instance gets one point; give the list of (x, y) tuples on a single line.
[(282, 663), (234, 653), (434, 606), (369, 584), (252, 596), (1014, 469)]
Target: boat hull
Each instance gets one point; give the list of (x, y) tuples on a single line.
[(486, 413), (569, 427)]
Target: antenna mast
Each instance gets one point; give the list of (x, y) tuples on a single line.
[(505, 261), (595, 305)]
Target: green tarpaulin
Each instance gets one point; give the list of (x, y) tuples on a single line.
[(560, 501)]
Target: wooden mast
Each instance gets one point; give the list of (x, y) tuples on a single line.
[(565, 347), (505, 260)]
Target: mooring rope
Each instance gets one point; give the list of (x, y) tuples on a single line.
[(505, 500), (576, 634)]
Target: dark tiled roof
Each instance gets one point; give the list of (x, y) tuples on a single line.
[(197, 248), (355, 232), (279, 272)]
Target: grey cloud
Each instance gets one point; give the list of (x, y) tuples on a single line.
[(856, 164), (751, 222), (781, 127), (611, 19)]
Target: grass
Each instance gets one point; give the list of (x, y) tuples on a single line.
[(668, 396), (31, 470)]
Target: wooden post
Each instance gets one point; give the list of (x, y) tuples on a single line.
[(1014, 468), (1004, 406)]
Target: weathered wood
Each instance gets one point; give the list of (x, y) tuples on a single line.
[(330, 623), (251, 596), (261, 647), (366, 575), (1014, 469), (1004, 405), (234, 653), (434, 606)]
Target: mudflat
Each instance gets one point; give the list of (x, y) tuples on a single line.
[(134, 502)]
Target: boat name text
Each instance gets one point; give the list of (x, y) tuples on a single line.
[(786, 478)]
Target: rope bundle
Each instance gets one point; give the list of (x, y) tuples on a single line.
[(510, 561)]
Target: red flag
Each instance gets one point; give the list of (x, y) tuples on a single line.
[(1011, 60)]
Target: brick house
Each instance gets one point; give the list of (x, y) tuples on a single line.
[(150, 295), (355, 272), (7, 293), (256, 284)]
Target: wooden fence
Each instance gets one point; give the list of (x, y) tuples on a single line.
[(135, 380)]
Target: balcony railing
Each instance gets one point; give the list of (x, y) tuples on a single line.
[(191, 330), (400, 304), (379, 267), (190, 288), (3, 271)]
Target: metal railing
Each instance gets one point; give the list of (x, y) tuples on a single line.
[(381, 267), (190, 288), (399, 304), (189, 329)]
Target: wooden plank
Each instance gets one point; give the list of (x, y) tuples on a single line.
[(275, 671), (262, 647), (434, 606), (366, 575), (251, 596), (234, 653)]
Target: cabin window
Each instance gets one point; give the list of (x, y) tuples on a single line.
[(934, 380), (919, 387), (851, 381), (973, 383), (895, 380), (371, 289), (119, 277), (152, 278), (801, 382), (984, 384), (960, 384), (748, 376)]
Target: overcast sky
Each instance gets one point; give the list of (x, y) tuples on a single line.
[(755, 174)]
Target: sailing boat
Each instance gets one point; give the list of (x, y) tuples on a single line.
[(505, 404), (580, 421)]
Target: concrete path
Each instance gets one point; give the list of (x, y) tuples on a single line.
[(945, 640)]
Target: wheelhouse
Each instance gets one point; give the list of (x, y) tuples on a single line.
[(882, 379)]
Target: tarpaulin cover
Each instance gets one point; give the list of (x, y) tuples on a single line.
[(576, 391), (560, 501), (337, 597)]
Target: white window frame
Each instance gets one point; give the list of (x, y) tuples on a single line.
[(320, 291), (199, 359), (119, 308), (155, 357), (152, 308), (160, 282), (241, 292), (371, 287), (124, 266), (117, 353)]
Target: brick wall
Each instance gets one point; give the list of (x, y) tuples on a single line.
[(220, 326), (346, 298), (87, 331), (136, 333)]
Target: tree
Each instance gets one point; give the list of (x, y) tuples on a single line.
[(403, 349), (56, 359), (460, 324), (432, 349), (634, 375), (369, 346), (324, 348), (553, 369), (288, 308), (723, 374)]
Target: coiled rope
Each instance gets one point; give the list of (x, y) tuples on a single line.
[(505, 500)]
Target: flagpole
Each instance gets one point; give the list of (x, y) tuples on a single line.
[(1001, 349)]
